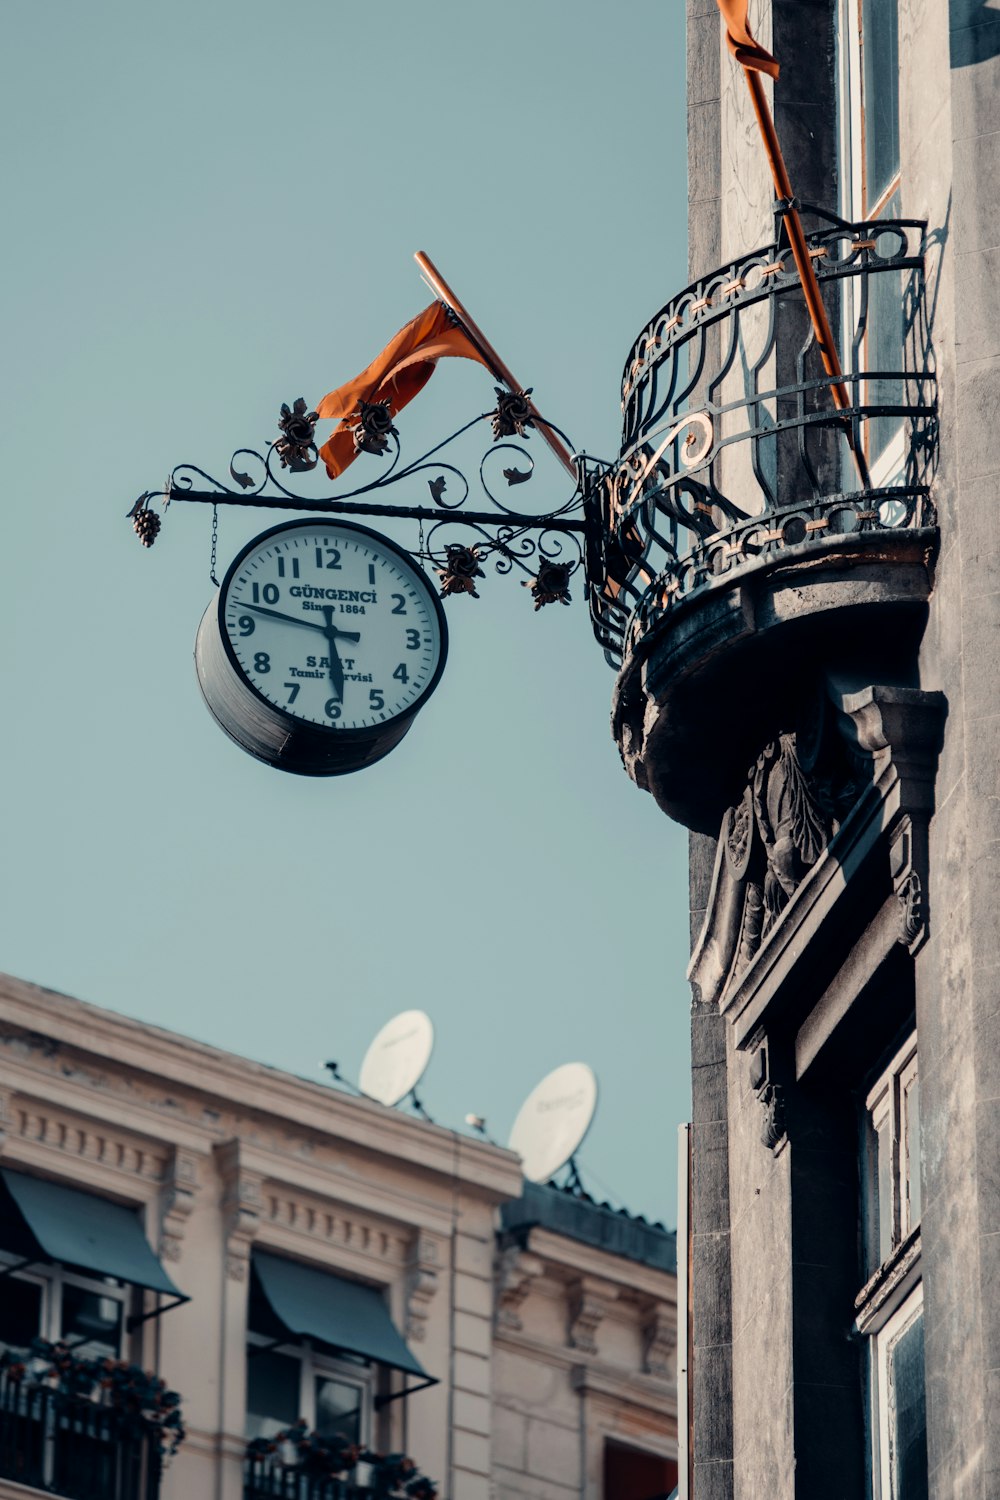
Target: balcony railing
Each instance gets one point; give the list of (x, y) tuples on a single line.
[(71, 1445), (301, 1465), (732, 449)]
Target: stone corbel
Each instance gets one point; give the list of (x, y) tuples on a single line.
[(177, 1199), (242, 1201), (421, 1285), (588, 1302), (659, 1341), (903, 730), (515, 1271)]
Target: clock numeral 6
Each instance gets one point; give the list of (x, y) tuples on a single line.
[(376, 698), (332, 708)]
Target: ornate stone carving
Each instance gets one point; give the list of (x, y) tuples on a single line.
[(515, 1270), (911, 900), (176, 1202), (421, 1285), (773, 1130), (242, 1203), (793, 827)]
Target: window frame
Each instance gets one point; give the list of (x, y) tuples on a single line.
[(906, 1309), (890, 1100), (53, 1279), (889, 465), (892, 1298), (317, 1364)]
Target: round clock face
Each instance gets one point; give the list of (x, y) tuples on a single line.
[(332, 624)]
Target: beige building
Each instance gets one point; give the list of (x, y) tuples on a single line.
[(279, 1253)]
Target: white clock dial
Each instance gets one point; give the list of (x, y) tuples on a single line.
[(332, 626)]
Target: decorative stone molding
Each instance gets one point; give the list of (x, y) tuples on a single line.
[(242, 1201), (421, 1285), (514, 1273), (43, 1131), (177, 1199), (287, 1208), (588, 1302)]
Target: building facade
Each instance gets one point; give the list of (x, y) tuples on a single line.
[(801, 602), (329, 1286)]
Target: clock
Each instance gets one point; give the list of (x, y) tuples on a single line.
[(323, 643)]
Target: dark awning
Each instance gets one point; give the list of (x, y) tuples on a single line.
[(46, 1221), (344, 1315)]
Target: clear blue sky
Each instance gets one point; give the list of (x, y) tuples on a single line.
[(210, 209)]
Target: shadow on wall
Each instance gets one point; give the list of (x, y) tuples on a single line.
[(975, 31)]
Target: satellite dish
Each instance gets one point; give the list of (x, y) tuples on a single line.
[(553, 1120), (396, 1059)]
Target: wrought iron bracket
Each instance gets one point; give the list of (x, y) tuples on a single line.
[(548, 546)]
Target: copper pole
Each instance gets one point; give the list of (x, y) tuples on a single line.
[(497, 368), (803, 261)]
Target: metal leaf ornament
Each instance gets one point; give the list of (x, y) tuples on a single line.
[(551, 584), (373, 428), (297, 445), (460, 571), (512, 414)]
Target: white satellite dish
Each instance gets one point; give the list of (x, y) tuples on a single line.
[(553, 1120), (397, 1057)]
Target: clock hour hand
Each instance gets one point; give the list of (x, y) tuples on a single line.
[(276, 614), (332, 633)]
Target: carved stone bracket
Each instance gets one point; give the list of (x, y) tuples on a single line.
[(177, 1199), (588, 1302), (514, 1271), (421, 1285), (659, 1342), (771, 1097), (242, 1204)]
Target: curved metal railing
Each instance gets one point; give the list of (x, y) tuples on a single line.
[(731, 444)]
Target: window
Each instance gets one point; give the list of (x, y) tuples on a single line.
[(631, 1474), (891, 1159), (88, 1313), (332, 1394), (868, 97), (890, 1306)]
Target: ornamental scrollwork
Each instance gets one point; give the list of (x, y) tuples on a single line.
[(457, 538)]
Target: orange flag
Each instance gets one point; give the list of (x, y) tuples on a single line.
[(396, 375), (741, 41)]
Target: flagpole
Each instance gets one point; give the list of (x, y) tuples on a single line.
[(803, 261), (498, 369)]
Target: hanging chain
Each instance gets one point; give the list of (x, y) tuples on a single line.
[(215, 545), (420, 537)]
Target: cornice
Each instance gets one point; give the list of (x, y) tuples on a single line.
[(566, 1259), (206, 1072)]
